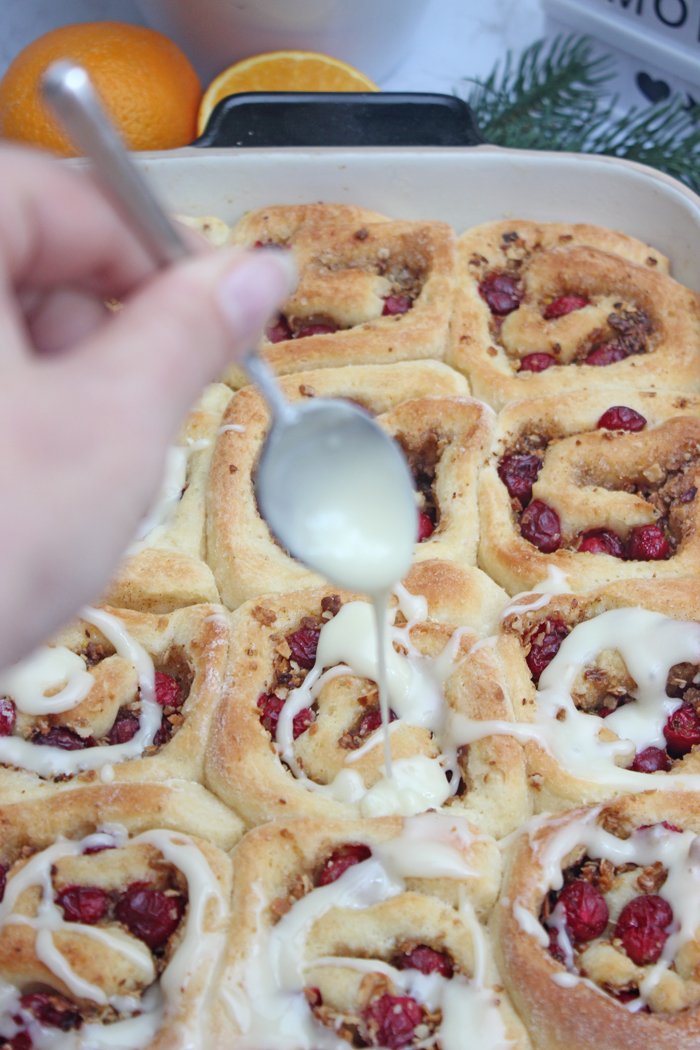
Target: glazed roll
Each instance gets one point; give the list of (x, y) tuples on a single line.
[(299, 730), (549, 308), (599, 485), (444, 434), (164, 569), (117, 695), (371, 291), (597, 930), (604, 688), (364, 934), (114, 913)]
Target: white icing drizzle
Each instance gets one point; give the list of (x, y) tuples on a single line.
[(264, 992), (225, 427), (169, 495), (556, 582), (50, 761), (197, 948), (650, 644), (51, 669)]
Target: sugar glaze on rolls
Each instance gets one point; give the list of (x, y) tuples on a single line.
[(598, 485), (598, 927), (114, 912), (364, 934), (549, 308), (299, 732)]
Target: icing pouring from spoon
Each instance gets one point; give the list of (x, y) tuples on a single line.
[(333, 486)]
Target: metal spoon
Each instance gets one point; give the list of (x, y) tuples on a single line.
[(334, 488)]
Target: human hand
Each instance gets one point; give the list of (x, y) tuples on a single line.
[(90, 399)]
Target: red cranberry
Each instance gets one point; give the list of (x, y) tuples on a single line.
[(270, 707), (8, 716), (342, 858), (647, 543), (303, 644), (682, 730), (149, 914), (602, 541), (313, 996), (21, 1041), (52, 1010), (585, 910), (606, 354), (651, 760), (643, 927), (536, 362), (125, 727), (85, 904), (168, 692), (501, 291), (278, 331), (565, 304), (425, 959), (619, 417), (518, 471), (66, 739), (542, 652), (397, 304), (540, 526), (554, 947), (425, 526), (302, 720), (392, 1020), (315, 329), (369, 722), (663, 824)]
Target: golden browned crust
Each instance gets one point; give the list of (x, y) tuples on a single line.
[(579, 1016), (625, 286), (595, 478)]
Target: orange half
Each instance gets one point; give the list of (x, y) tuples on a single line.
[(282, 71)]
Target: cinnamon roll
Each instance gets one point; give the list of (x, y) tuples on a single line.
[(364, 934), (117, 695), (114, 913), (599, 485), (598, 928), (299, 729), (371, 291), (549, 308), (164, 568), (444, 434)]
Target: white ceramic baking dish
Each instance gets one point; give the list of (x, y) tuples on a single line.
[(462, 185)]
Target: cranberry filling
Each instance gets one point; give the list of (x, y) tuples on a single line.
[(619, 417), (540, 526), (501, 292), (396, 304), (554, 948), (3, 881), (278, 331), (8, 716), (270, 707), (536, 362), (602, 541), (647, 543), (425, 526), (392, 1020), (66, 739), (342, 858), (606, 354), (546, 646), (518, 471), (168, 692), (682, 730), (303, 644), (125, 727), (585, 910), (52, 1010), (317, 328), (84, 904), (149, 914), (643, 928), (425, 959), (651, 760), (565, 304)]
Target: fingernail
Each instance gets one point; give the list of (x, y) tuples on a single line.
[(250, 294)]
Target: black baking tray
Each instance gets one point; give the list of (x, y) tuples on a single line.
[(281, 118)]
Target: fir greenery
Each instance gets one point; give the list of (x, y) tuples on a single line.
[(553, 96)]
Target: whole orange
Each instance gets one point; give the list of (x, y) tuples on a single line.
[(146, 83)]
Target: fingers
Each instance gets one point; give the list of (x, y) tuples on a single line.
[(57, 320)]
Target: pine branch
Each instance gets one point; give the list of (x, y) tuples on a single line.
[(554, 97)]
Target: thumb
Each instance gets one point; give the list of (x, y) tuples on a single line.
[(189, 323)]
